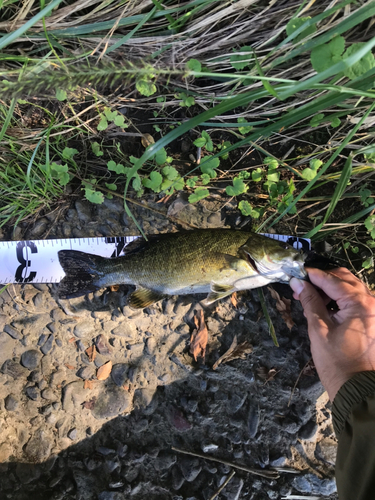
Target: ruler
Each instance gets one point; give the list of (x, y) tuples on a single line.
[(36, 261)]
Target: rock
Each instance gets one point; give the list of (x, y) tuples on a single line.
[(112, 402), (102, 345), (32, 393), (233, 489), (38, 299), (35, 376), (327, 450), (83, 211), (144, 399), (39, 228), (236, 402), (5, 452), (308, 431), (253, 419), (86, 372), (312, 484), (100, 360), (48, 394), (58, 377), (177, 478), (72, 434), (11, 403), (84, 330), (48, 345), (73, 396), (14, 369), (13, 332), (38, 448), (177, 419), (119, 374), (127, 330), (27, 473), (164, 461), (190, 468), (42, 384), (31, 359), (209, 448)]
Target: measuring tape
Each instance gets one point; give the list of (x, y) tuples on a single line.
[(36, 261)]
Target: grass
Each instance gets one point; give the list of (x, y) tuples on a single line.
[(284, 94)]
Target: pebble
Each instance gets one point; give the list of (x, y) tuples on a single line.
[(102, 345), (209, 448), (119, 373), (38, 299), (190, 468), (177, 478), (309, 483), (72, 434), (42, 339), (84, 211), (11, 403), (14, 369), (253, 420), (31, 359), (327, 450), (165, 461), (38, 449), (308, 431), (127, 330), (35, 376), (236, 402), (48, 394), (74, 395), (233, 489), (100, 360), (27, 473), (13, 332), (111, 403), (48, 345), (86, 372), (42, 384), (84, 330), (32, 393)]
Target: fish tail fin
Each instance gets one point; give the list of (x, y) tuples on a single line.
[(82, 273)]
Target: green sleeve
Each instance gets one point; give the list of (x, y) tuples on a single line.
[(354, 424)]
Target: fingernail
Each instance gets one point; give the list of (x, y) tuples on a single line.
[(296, 285)]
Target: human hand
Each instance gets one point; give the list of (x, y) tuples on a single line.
[(343, 341)]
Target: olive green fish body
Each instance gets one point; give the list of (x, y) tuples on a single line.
[(217, 262)]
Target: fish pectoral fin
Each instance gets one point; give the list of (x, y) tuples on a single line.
[(144, 297), (218, 292), (236, 263)]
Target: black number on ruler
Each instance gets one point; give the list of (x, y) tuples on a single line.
[(301, 243), (120, 243), (22, 269)]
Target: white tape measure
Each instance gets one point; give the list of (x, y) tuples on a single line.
[(36, 261)]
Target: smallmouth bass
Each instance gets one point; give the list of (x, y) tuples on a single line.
[(214, 261)]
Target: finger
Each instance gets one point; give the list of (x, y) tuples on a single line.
[(339, 286), (313, 304)]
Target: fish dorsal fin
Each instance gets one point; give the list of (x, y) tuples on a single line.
[(144, 297), (218, 292)]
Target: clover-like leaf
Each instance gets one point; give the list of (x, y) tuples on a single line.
[(137, 183), (103, 124), (170, 173), (246, 129), (206, 179), (154, 181), (193, 180), (116, 167), (368, 263), (257, 175), (310, 173), (296, 23), (271, 162), (316, 120), (95, 146), (111, 186), (68, 153), (199, 194), (194, 65), (248, 211), (120, 121), (110, 115), (240, 61), (335, 122), (145, 86), (244, 174), (61, 94), (326, 55), (60, 172), (94, 196), (360, 67), (200, 142), (238, 187), (208, 165), (161, 156)]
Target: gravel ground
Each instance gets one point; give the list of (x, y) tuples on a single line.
[(67, 434)]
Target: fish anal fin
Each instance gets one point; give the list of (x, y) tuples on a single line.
[(143, 297), (218, 292)]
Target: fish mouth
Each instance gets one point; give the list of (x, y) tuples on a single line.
[(296, 271), (252, 262)]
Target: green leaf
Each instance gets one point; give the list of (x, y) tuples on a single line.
[(360, 67), (199, 194), (225, 145), (68, 153), (296, 23), (244, 174), (205, 178), (170, 173), (370, 157), (94, 196), (95, 146), (61, 94), (110, 115), (161, 156), (194, 65), (326, 55), (60, 172), (209, 145), (200, 142), (193, 180), (120, 121), (238, 187), (370, 225), (240, 61), (154, 182), (145, 86), (137, 183), (316, 120), (208, 165), (366, 264), (335, 122), (355, 249), (112, 187), (271, 162), (244, 130), (273, 176), (257, 175), (186, 101), (245, 208), (117, 167), (103, 124)]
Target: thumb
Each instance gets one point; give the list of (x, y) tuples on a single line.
[(312, 303)]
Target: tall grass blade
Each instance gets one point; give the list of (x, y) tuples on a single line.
[(267, 317)]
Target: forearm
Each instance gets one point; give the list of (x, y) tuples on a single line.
[(354, 423)]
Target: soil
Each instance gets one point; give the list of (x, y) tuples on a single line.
[(66, 434)]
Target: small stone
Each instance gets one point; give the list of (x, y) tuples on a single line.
[(52, 327), (253, 420), (309, 483), (140, 425), (236, 402), (127, 330), (308, 431), (84, 330), (27, 473), (100, 360), (164, 461), (327, 450), (38, 299), (5, 452), (233, 489), (42, 384), (177, 479), (46, 410), (14, 369), (209, 448), (42, 339), (48, 345), (74, 394), (102, 345), (177, 419), (32, 393), (31, 359), (111, 403), (83, 211), (11, 403), (35, 376), (38, 449), (190, 468), (86, 372), (48, 394), (119, 374), (13, 332), (72, 434)]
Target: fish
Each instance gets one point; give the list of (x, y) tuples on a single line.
[(213, 261)]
